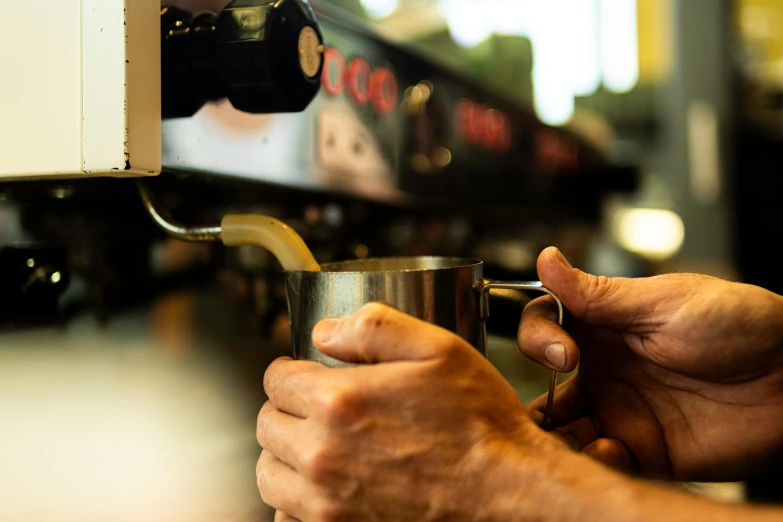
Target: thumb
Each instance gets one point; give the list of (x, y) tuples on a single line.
[(598, 300), (377, 333)]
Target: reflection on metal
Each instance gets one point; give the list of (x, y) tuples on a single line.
[(174, 229)]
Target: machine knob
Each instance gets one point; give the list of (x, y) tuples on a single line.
[(270, 56), (264, 56), (189, 66)]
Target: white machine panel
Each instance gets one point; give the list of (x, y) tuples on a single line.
[(81, 95)]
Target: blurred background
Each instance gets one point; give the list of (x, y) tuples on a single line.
[(639, 136)]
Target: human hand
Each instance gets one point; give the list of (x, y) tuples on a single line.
[(680, 376), (425, 429)]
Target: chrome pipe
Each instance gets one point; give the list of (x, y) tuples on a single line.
[(192, 234)]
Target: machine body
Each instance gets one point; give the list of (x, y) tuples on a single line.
[(364, 146), (81, 96)]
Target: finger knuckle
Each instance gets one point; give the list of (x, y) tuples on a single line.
[(523, 340), (371, 317), (455, 353), (452, 354), (536, 314), (328, 510), (262, 422), (480, 430), (266, 499), (340, 404), (373, 309), (541, 307), (600, 287), (315, 463), (282, 517), (263, 479), (596, 290), (262, 490), (271, 377)]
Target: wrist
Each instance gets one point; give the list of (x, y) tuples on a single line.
[(544, 480), (566, 486), (552, 483)]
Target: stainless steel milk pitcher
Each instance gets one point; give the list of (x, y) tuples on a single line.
[(445, 291), (448, 292)]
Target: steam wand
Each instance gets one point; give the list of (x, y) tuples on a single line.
[(191, 234), (242, 230)]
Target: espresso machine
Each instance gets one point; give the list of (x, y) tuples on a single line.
[(131, 122), (364, 146)]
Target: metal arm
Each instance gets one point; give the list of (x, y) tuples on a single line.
[(192, 234)]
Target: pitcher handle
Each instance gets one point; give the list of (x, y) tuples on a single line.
[(525, 286)]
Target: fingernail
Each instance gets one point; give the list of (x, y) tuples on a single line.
[(563, 260), (556, 355), (324, 332)]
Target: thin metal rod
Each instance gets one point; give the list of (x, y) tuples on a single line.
[(192, 234), (550, 401)]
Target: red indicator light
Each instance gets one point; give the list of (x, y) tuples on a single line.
[(364, 86), (384, 90), (333, 77), (482, 126)]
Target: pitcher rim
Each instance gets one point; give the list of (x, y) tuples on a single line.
[(451, 262)]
